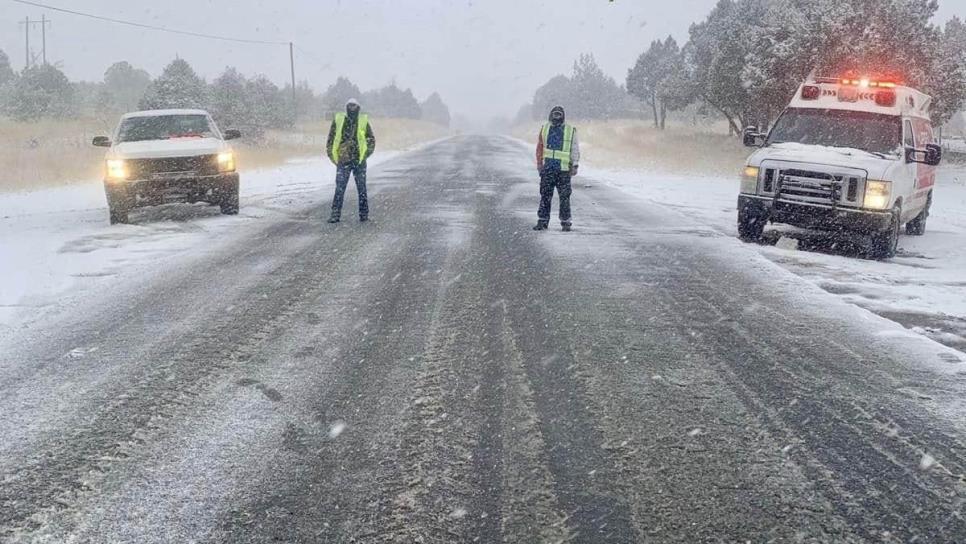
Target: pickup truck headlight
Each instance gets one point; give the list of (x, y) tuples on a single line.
[(749, 180), (226, 162), (116, 170), (877, 194)]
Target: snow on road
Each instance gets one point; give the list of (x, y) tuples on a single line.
[(56, 243), (923, 288)]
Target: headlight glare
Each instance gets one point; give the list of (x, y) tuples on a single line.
[(877, 194), (226, 162), (116, 169)]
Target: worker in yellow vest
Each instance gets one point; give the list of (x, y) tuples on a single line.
[(351, 142), (558, 155)]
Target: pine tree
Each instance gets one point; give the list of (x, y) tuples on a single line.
[(435, 110), (6, 71), (41, 91), (124, 86), (659, 79), (335, 97), (177, 87), (229, 101)]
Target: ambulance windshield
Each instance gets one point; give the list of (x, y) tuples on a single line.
[(873, 132)]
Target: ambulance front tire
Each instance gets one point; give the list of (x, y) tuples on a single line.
[(917, 227), (885, 244), (750, 226)]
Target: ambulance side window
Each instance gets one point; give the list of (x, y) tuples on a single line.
[(924, 134), (908, 139)]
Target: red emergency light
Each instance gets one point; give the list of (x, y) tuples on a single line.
[(885, 98), (811, 92)]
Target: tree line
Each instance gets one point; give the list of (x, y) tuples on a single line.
[(747, 58), (234, 99)]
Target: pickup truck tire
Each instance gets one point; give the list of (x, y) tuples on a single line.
[(750, 226), (885, 244), (117, 205), (229, 200), (917, 227)]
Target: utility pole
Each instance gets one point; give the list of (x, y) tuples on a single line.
[(27, 23), (291, 60), (26, 28), (43, 34)]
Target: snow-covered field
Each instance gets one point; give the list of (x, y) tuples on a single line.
[(56, 243), (924, 288)]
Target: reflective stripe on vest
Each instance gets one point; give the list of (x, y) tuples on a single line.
[(563, 154), (361, 126)]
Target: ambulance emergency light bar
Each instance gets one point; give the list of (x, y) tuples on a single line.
[(885, 97)]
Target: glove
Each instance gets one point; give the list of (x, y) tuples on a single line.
[(573, 171)]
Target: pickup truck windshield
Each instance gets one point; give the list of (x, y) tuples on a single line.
[(165, 127), (871, 132)]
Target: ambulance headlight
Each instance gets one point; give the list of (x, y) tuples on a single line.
[(878, 194), (749, 180)]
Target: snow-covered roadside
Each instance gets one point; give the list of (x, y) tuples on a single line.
[(57, 242), (924, 288)]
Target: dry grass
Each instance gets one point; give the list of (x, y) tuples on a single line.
[(51, 153), (631, 143)]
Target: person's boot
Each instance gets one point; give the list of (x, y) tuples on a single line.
[(334, 219), (541, 225), (363, 218), (565, 227)]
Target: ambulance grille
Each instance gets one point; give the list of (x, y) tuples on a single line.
[(811, 186)]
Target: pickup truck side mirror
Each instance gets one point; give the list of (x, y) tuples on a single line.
[(932, 155), (101, 141), (232, 134), (752, 138)]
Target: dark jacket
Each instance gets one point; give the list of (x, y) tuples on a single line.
[(349, 147)]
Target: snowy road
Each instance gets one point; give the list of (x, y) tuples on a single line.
[(445, 374)]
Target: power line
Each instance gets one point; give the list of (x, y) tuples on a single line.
[(149, 27)]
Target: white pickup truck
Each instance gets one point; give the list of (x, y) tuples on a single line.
[(161, 156), (847, 154)]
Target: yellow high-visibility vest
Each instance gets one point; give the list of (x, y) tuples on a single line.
[(563, 155), (361, 127)]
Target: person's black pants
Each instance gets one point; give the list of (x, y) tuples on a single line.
[(550, 180), (358, 171)]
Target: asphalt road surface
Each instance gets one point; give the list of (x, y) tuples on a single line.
[(445, 374)]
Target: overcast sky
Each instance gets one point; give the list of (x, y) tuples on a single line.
[(485, 57)]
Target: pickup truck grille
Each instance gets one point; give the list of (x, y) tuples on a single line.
[(201, 165), (811, 186)]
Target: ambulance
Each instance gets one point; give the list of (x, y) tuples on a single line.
[(854, 156)]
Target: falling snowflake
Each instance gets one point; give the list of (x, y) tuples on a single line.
[(336, 429)]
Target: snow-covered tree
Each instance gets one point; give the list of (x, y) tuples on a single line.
[(595, 94), (556, 92), (947, 81), (269, 109), (6, 71), (307, 104), (124, 86), (228, 99), (391, 101), (435, 110), (177, 87), (715, 58), (41, 91), (335, 97), (659, 79)]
